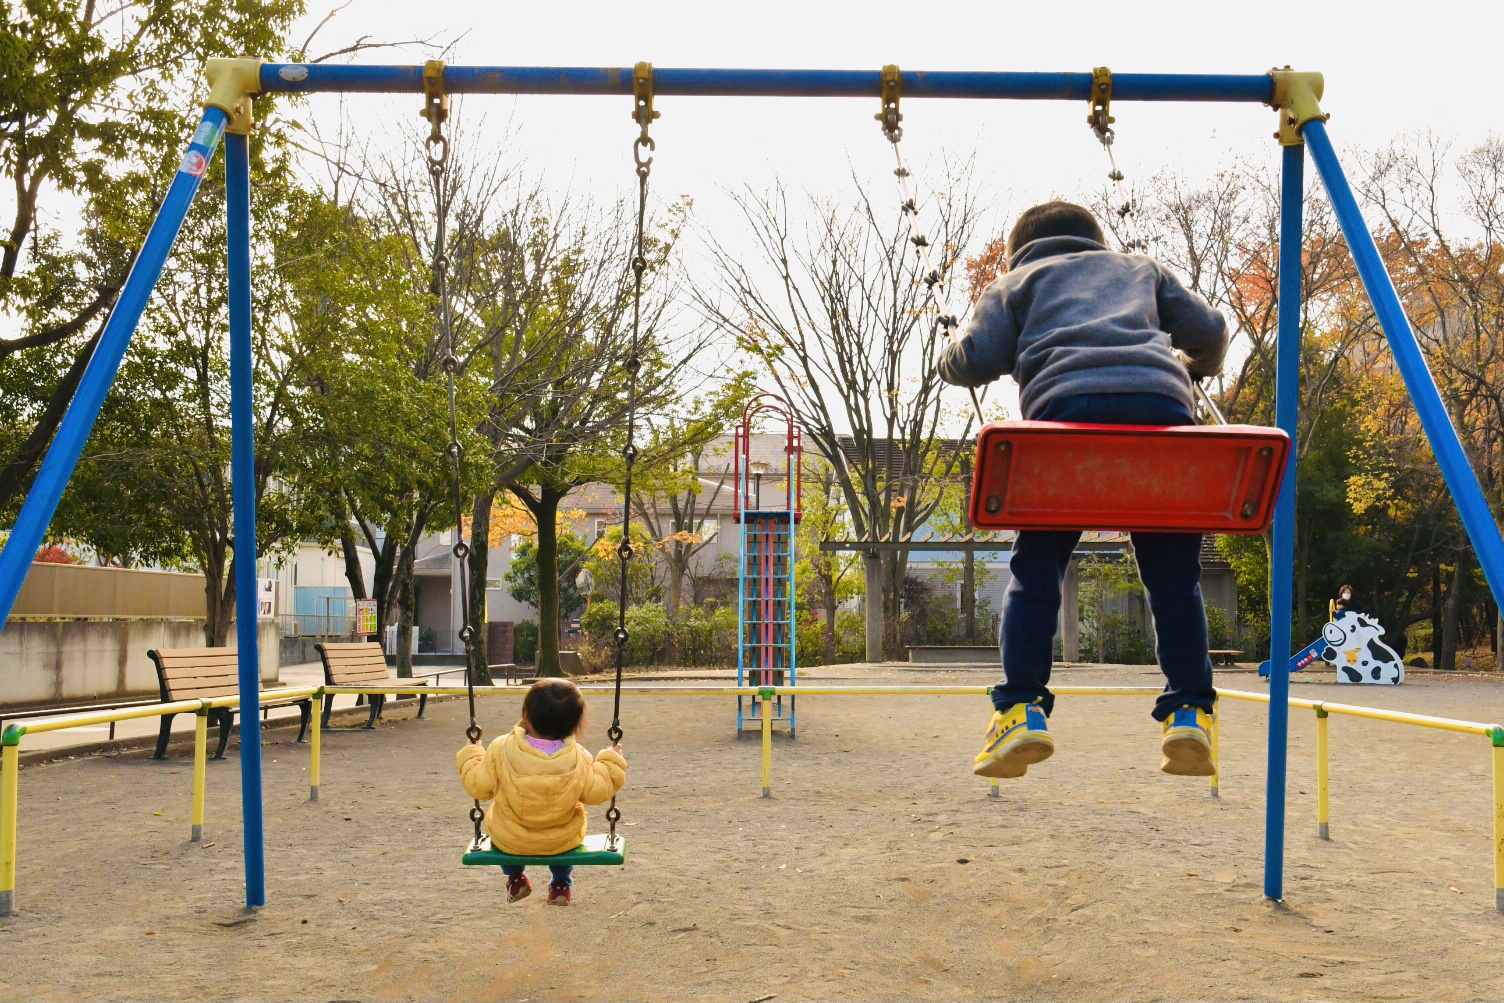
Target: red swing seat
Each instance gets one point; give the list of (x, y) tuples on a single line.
[(1145, 478)]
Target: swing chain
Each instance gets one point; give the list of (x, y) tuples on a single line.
[(936, 289), (642, 149), (1100, 118), (436, 110)]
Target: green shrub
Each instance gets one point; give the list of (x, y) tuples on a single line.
[(706, 634), (647, 632), (1218, 629), (525, 642)]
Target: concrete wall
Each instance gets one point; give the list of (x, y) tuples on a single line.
[(50, 661)]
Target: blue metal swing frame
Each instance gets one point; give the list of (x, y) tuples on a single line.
[(1302, 128)]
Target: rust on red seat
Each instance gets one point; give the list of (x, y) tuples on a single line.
[(1144, 478)]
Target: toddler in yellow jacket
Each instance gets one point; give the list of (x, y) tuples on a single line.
[(541, 780)]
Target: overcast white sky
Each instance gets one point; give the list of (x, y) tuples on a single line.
[(1388, 69)]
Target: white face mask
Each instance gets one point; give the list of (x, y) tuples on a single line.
[(1346, 596)]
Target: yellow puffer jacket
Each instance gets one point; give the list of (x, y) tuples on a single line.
[(537, 809)]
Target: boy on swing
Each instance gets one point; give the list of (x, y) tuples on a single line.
[(1090, 335)]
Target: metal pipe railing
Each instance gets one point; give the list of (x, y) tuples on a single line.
[(12, 736), (306, 78)]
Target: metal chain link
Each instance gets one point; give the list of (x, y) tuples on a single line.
[(932, 276), (1101, 126), (437, 146), (642, 155)]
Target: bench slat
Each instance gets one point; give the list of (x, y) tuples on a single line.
[(337, 678), (183, 672)]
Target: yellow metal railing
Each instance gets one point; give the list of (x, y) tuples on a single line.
[(10, 741), (10, 759)]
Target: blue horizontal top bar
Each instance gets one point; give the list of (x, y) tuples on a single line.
[(310, 77)]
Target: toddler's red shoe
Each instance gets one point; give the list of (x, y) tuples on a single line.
[(558, 894), (518, 888)]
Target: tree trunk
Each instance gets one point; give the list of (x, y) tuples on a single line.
[(673, 596), (1436, 615), (1070, 634), (406, 600), (893, 570), (479, 562), (969, 596), (828, 598), (1101, 617), (547, 516), (219, 599), (1302, 566), (872, 604), (353, 573), (1451, 617), (1499, 641)]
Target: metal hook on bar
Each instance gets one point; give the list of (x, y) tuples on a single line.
[(890, 88)]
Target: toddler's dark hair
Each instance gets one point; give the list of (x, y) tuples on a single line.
[(553, 709), (1054, 219)]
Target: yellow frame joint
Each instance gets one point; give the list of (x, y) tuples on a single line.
[(1296, 95), (642, 95), (890, 89), (435, 98), (1100, 117), (232, 84)]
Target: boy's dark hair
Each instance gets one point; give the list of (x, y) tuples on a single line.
[(553, 709), (1054, 219)]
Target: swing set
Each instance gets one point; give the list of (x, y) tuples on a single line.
[(1027, 474)]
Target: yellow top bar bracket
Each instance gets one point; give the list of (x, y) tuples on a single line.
[(232, 84), (1100, 117), (642, 96), (435, 98), (1296, 96), (890, 88)]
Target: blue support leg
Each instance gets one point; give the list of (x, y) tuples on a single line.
[(1282, 556), (68, 442), (1468, 496), (243, 493)]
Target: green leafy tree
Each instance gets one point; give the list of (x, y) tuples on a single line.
[(95, 107), (522, 576)]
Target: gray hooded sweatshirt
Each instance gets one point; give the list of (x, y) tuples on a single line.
[(1070, 317)]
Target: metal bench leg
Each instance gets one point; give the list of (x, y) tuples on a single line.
[(305, 711), (226, 716), (163, 736), (422, 703), (376, 701), (328, 707)]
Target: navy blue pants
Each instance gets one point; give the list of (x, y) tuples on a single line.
[(1169, 565), (560, 872)]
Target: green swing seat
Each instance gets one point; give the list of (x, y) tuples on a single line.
[(592, 851)]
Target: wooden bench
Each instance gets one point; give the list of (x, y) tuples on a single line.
[(195, 673), (1224, 656), (360, 663)]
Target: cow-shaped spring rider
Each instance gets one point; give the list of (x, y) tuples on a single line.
[(1355, 651)]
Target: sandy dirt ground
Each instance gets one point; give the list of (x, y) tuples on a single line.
[(880, 869)]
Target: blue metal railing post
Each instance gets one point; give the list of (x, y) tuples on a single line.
[(1282, 553), (73, 431), (243, 495), (1466, 493)]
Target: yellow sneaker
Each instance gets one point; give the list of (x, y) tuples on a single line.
[(1187, 745), (1016, 738)]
